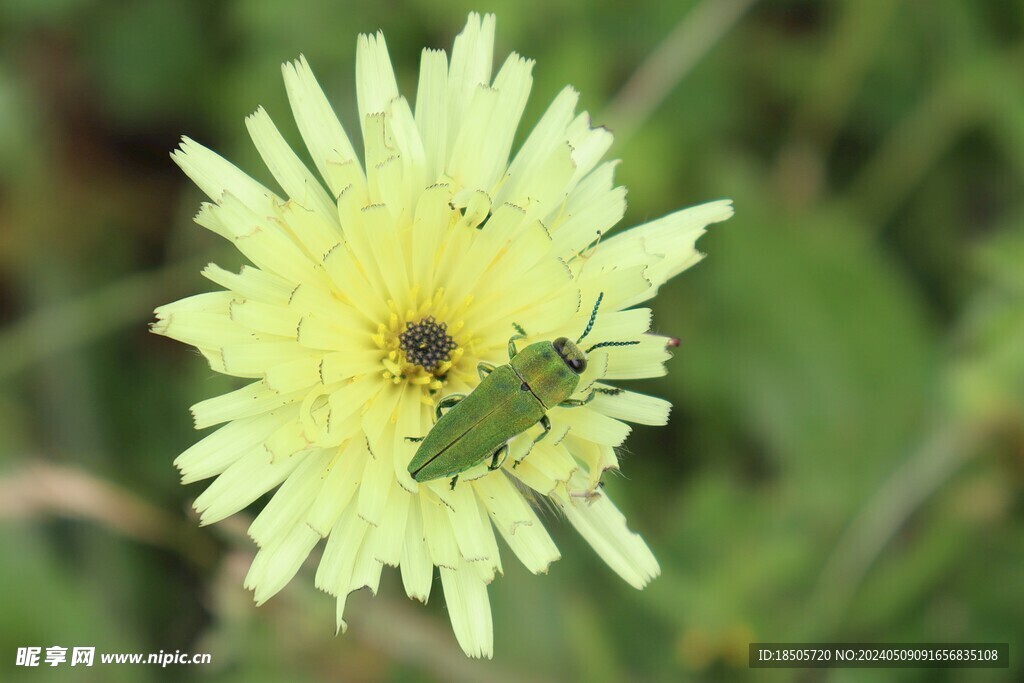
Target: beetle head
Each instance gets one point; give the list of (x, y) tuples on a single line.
[(571, 354)]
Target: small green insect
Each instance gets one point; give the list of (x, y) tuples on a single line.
[(509, 400)]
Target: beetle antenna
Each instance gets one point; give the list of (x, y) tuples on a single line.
[(593, 317), (519, 328), (611, 343)]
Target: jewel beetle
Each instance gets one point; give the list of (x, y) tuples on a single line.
[(509, 400)]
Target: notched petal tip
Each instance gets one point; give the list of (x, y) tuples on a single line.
[(715, 211)]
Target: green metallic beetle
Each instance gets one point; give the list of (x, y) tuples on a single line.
[(509, 400)]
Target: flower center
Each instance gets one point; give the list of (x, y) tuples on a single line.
[(422, 347), (426, 343)]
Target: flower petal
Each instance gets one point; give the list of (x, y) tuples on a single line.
[(251, 284), (215, 453), (367, 569), (589, 145), (465, 594), (203, 330), (275, 565), (412, 156), (591, 425), (340, 484), (517, 523), (672, 237), (288, 170), (470, 530), (602, 525), (417, 568), (441, 544), (389, 537), (547, 135), (632, 407), (253, 359), (581, 225), (431, 111), (375, 78), (480, 153), (289, 505), (258, 238), (323, 134), (545, 467), (471, 62), (216, 176), (646, 359), (244, 481), (252, 399)]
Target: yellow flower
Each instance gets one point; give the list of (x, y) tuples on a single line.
[(377, 288)]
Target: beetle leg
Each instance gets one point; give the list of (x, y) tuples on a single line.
[(414, 439), (512, 351), (545, 422), (454, 479), (448, 402), (499, 457), (484, 369), (576, 403)]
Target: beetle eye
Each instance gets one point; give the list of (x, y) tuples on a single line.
[(578, 365)]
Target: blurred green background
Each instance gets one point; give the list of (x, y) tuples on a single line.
[(845, 459)]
